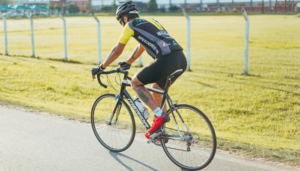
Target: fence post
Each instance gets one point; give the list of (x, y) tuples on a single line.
[(99, 38), (140, 61), (32, 35), (5, 33), (188, 38), (200, 5), (65, 37), (246, 42)]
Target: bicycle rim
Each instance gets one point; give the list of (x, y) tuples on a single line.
[(115, 132), (185, 153)]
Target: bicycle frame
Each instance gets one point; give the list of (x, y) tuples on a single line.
[(170, 134), (124, 92)]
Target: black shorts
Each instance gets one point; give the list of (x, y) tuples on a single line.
[(158, 70)]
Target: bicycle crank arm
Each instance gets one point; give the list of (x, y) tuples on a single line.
[(153, 136)]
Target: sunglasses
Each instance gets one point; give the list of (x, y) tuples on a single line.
[(120, 21)]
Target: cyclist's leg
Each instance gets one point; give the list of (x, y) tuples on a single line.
[(158, 97), (150, 73), (178, 61), (143, 93), (156, 72)]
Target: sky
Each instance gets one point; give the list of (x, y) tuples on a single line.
[(109, 2)]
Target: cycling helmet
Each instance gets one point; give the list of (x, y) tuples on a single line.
[(127, 7)]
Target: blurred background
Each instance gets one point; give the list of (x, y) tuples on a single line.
[(104, 6), (47, 49)]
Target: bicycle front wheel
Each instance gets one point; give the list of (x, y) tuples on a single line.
[(113, 127), (194, 146)]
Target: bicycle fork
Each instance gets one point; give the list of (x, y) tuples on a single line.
[(117, 109)]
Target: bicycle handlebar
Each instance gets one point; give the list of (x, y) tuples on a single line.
[(109, 72)]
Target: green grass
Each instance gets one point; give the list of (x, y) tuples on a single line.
[(257, 113)]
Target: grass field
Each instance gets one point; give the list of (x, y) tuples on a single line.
[(259, 112)]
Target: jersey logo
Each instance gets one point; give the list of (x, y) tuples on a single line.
[(139, 20), (162, 33), (165, 44), (149, 44)]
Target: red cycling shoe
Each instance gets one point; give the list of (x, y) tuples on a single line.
[(157, 121)]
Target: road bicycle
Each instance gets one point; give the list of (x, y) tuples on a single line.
[(188, 140)]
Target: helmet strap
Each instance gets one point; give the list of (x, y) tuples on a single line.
[(122, 20)]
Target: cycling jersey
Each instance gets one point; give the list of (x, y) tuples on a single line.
[(151, 35)]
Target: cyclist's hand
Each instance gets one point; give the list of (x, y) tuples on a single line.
[(95, 70), (124, 65)]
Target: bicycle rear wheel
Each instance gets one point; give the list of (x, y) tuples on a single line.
[(114, 128), (198, 148)]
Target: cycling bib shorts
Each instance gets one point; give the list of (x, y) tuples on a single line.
[(158, 70)]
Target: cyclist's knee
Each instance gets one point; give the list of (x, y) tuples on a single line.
[(135, 83), (156, 86)]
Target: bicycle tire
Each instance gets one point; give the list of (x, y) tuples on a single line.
[(100, 118), (169, 148)]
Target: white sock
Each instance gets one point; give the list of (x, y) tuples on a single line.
[(158, 112)]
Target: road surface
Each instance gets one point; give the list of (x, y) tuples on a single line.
[(30, 141)]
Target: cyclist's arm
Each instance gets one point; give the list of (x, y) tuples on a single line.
[(114, 54), (135, 54), (118, 49)]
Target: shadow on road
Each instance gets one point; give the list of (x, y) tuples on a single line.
[(118, 155)]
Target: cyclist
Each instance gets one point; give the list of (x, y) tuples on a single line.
[(166, 52)]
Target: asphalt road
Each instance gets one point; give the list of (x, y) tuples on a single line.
[(30, 141)]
